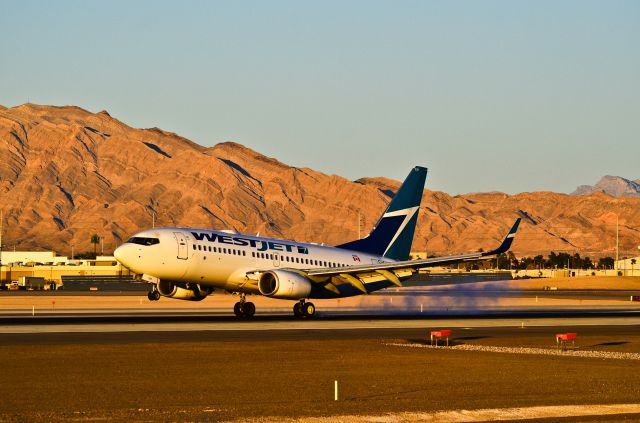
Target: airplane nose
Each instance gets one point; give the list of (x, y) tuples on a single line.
[(119, 254)]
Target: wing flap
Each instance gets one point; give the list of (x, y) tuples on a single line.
[(354, 281)]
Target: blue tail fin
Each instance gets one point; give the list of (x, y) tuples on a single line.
[(393, 234)]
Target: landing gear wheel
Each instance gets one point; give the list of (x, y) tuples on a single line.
[(237, 309), (153, 295), (297, 310), (249, 309), (308, 309)]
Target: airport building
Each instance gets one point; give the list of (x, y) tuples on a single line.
[(46, 270), (629, 266)]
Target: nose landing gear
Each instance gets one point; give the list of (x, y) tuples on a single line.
[(303, 309), (243, 308)]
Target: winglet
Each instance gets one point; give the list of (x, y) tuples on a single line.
[(506, 243)]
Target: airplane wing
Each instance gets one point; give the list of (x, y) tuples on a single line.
[(392, 271)]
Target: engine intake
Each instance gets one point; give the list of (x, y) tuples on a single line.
[(183, 291), (284, 285)]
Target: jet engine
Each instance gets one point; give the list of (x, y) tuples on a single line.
[(183, 291), (284, 285)]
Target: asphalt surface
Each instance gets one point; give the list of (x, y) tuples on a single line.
[(515, 334)]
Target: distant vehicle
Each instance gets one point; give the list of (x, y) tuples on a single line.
[(189, 263), (32, 282)]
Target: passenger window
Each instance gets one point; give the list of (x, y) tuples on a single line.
[(244, 253), (194, 246)]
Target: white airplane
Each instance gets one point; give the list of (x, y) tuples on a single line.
[(189, 263)]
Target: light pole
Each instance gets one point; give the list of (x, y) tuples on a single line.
[(1, 219), (617, 242)]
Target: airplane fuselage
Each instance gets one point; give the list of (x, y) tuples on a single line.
[(222, 259)]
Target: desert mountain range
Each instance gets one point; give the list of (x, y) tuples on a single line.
[(616, 186), (67, 173)]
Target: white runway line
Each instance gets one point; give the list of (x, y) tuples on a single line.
[(483, 415), (536, 351)]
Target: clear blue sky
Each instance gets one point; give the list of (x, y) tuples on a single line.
[(490, 95)]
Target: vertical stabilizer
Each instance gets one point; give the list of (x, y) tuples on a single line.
[(393, 234)]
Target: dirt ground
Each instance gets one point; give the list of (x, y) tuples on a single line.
[(219, 379)]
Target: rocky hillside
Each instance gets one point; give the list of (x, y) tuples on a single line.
[(66, 173), (615, 186)]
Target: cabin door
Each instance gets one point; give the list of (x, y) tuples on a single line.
[(183, 246)]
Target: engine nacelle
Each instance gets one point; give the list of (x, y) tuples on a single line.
[(183, 291), (284, 284)]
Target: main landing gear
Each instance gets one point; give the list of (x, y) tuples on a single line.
[(153, 295), (243, 308), (303, 309)]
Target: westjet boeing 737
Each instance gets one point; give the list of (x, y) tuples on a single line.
[(189, 264)]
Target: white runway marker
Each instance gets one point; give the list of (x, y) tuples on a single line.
[(336, 390)]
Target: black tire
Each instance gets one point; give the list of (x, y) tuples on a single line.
[(297, 310), (249, 309), (237, 310), (153, 296), (308, 309)]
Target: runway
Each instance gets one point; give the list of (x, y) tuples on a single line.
[(107, 313), (286, 327)]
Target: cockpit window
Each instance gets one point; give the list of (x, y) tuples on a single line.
[(143, 241)]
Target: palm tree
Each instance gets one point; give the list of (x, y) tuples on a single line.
[(633, 262), (95, 240)]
